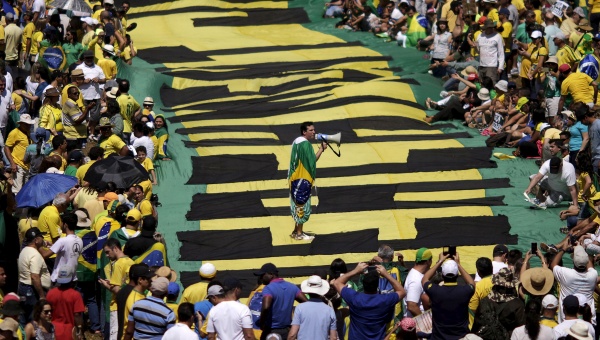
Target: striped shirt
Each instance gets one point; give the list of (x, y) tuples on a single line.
[(152, 318)]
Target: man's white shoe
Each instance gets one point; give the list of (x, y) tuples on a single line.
[(304, 237)]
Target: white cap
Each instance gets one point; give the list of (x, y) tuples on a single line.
[(88, 20), (208, 270), (550, 301), (150, 125), (536, 34), (110, 2), (581, 298), (53, 170), (580, 257), (64, 275), (450, 268)]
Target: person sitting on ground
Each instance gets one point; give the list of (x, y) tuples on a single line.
[(558, 179)]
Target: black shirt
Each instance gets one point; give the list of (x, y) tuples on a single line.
[(121, 300), (138, 245), (449, 309)]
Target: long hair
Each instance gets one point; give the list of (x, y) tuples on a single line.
[(38, 308), (532, 319)]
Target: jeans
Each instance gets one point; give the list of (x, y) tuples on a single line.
[(29, 297), (595, 22), (451, 84), (334, 11), (89, 293)]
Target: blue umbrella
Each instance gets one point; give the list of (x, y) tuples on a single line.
[(42, 188)]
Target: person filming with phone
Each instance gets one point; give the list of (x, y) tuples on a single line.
[(450, 301)]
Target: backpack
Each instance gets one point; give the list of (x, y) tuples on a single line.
[(255, 306), (496, 140), (487, 325)]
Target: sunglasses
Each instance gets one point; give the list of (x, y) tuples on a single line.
[(46, 311)]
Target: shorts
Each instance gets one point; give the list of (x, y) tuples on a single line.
[(300, 213), (94, 112), (552, 106)]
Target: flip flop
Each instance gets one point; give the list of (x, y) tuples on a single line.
[(564, 230)]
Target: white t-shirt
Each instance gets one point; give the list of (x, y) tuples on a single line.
[(520, 333), (562, 329), (91, 91), (561, 181), (179, 331), (5, 102), (414, 289), (228, 319), (39, 6), (396, 14), (496, 266), (31, 85), (572, 282), (9, 82), (144, 141), (67, 250)]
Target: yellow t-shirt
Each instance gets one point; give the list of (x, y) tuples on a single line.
[(519, 4), (118, 272), (595, 6), (128, 106), (24, 225), (565, 55), (195, 293), (131, 299), (73, 111), (538, 16), (109, 67), (155, 142), (507, 35), (147, 164), (51, 118), (581, 184), (18, 142), (145, 207), (2, 37), (49, 222), (531, 62), (493, 15), (27, 34), (126, 54), (18, 100), (112, 144), (64, 96), (482, 289), (97, 14), (449, 15), (64, 160), (82, 170), (548, 322), (36, 39), (578, 85)]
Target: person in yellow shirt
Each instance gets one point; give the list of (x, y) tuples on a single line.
[(450, 15), (141, 203), (197, 291), (130, 108), (117, 275), (140, 277), (27, 38), (492, 11), (482, 288), (49, 221), (108, 6), (16, 143), (149, 166), (579, 85), (107, 64), (565, 53), (50, 113), (507, 29), (110, 142)]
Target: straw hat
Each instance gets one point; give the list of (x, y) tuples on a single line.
[(537, 281)]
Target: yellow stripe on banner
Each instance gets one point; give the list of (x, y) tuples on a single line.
[(358, 110), (212, 3), (228, 135), (361, 154), (468, 256), (397, 224), (282, 184), (370, 133)]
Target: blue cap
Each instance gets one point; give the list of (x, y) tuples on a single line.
[(41, 133), (504, 11), (173, 289), (597, 36)]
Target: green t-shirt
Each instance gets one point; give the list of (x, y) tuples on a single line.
[(551, 87), (70, 171), (522, 35)]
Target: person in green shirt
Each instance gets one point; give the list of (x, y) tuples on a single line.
[(75, 160), (72, 47)]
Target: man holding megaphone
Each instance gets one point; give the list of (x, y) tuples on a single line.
[(301, 176)]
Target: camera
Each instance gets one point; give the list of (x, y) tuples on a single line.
[(154, 200)]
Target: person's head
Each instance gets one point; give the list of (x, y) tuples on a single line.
[(442, 26), (140, 275), (267, 272), (489, 27), (533, 309), (138, 193), (42, 310), (77, 77), (69, 221), (149, 224), (2, 276), (159, 122), (124, 85), (61, 202), (500, 252), (96, 153), (108, 5), (141, 153), (580, 257), (73, 93), (576, 14), (550, 305), (232, 287), (185, 313), (59, 142), (570, 306), (455, 6), (120, 214), (112, 249), (504, 14), (88, 57), (133, 218), (484, 267), (337, 267), (140, 129), (370, 282), (105, 127), (529, 17), (386, 253), (2, 83), (215, 292), (450, 271), (307, 129), (423, 258), (112, 107), (554, 145), (537, 37)]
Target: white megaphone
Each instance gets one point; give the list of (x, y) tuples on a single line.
[(337, 139)]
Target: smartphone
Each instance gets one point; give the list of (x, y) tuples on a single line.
[(450, 251), (534, 248), (545, 69)]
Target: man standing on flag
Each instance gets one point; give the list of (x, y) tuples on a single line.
[(301, 176)]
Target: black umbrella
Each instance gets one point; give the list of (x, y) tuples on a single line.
[(124, 171)]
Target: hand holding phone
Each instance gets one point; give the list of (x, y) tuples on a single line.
[(534, 249)]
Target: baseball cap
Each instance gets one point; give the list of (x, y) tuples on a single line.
[(564, 68), (450, 268), (110, 2), (64, 275), (32, 233), (536, 34), (579, 11), (550, 301), (75, 156), (208, 270), (555, 166), (159, 286), (266, 268), (217, 290), (229, 283), (88, 54), (482, 20), (522, 101), (423, 254), (109, 196), (140, 270), (11, 296), (580, 257), (9, 16), (134, 215), (559, 35), (173, 289), (500, 249), (504, 11)]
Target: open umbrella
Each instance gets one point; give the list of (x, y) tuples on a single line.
[(78, 7), (124, 171), (42, 188)]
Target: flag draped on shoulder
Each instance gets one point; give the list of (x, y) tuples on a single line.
[(302, 171)]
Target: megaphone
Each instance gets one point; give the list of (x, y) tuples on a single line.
[(337, 139)]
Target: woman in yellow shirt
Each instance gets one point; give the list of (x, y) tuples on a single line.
[(51, 114), (533, 56)]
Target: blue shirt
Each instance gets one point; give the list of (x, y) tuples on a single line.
[(152, 318), (576, 140), (283, 294), (315, 319), (204, 308), (449, 309), (369, 313)]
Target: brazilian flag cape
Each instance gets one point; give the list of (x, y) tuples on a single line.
[(303, 170), (86, 264), (154, 256), (417, 29)]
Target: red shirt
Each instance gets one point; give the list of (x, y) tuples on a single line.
[(65, 303)]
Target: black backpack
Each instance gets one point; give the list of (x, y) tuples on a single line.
[(487, 325)]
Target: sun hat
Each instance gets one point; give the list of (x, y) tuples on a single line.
[(77, 73), (569, 115), (10, 324), (550, 302), (423, 254), (112, 93), (26, 118), (167, 273), (315, 285), (502, 85), (522, 101), (580, 330), (148, 101), (537, 281), (105, 122), (503, 279), (110, 49), (484, 94), (450, 268), (207, 270), (553, 59), (468, 71), (82, 220)]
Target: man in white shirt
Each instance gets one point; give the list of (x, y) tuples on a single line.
[(413, 302), (579, 279), (491, 52), (498, 260), (6, 104), (559, 179), (570, 307), (230, 319), (34, 277), (181, 330), (92, 87), (39, 10), (67, 248)]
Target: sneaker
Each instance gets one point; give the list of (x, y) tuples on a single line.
[(430, 72), (444, 94), (304, 237), (514, 71), (548, 248)]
